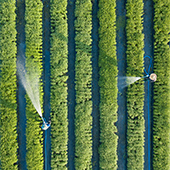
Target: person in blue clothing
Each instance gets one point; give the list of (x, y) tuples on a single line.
[(46, 125)]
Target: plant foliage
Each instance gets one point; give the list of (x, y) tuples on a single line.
[(59, 65), (161, 112), (108, 85), (33, 34), (8, 86), (83, 78), (135, 92)]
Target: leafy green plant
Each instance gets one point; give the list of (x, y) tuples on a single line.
[(8, 86), (83, 78), (135, 92), (108, 85), (59, 65), (33, 34), (161, 112)]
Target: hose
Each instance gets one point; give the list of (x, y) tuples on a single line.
[(147, 73), (45, 148)]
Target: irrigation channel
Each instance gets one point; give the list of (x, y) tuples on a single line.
[(121, 49)]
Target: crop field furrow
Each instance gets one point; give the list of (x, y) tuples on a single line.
[(135, 92), (121, 63), (148, 86), (46, 80), (59, 69), (161, 112), (8, 86), (83, 78), (71, 82), (33, 41), (108, 85), (95, 87), (21, 101)]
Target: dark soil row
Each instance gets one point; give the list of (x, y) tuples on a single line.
[(95, 87), (148, 101), (71, 83), (21, 101), (46, 81), (121, 57)]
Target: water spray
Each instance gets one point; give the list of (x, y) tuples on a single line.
[(30, 82)]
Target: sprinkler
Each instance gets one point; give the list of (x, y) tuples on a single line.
[(45, 125), (145, 76)]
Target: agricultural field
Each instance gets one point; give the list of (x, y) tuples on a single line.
[(75, 55)]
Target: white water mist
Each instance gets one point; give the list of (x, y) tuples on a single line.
[(124, 81), (30, 81)]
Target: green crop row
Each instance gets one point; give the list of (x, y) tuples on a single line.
[(108, 85), (8, 86), (135, 92), (59, 65), (33, 35), (83, 78), (161, 112)]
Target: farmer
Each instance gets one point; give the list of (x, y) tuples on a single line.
[(46, 125), (153, 77)]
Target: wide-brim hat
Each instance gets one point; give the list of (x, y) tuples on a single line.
[(153, 77)]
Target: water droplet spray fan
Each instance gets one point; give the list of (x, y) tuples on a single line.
[(30, 82)]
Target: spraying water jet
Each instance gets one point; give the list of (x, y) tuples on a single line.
[(30, 82), (124, 81)]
